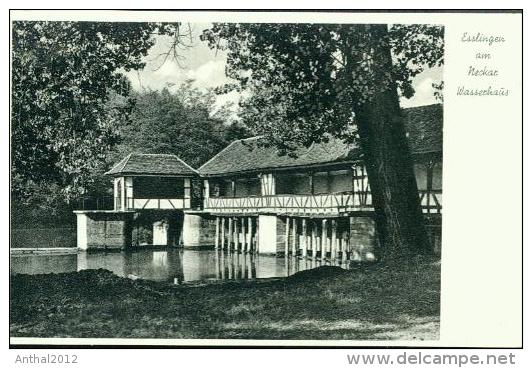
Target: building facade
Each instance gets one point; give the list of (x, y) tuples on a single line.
[(153, 189), (315, 203)]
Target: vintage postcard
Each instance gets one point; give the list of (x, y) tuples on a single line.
[(266, 178)]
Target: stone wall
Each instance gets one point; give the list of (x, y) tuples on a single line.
[(198, 230), (433, 224), (281, 234), (362, 238), (271, 234), (104, 230)]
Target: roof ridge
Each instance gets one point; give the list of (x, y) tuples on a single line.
[(184, 163), (119, 166), (152, 154), (128, 157), (250, 138), (216, 155)]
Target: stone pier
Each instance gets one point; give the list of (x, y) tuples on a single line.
[(362, 238), (104, 230), (198, 230), (271, 234), (161, 232)]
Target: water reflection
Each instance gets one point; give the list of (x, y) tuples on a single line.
[(173, 265)]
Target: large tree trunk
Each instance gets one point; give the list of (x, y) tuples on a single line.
[(399, 219)]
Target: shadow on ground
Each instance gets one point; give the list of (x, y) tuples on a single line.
[(372, 302)]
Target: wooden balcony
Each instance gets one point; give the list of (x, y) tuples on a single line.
[(292, 204), (157, 203), (306, 204), (431, 201)]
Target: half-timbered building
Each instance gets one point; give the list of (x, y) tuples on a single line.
[(314, 203), (150, 190)]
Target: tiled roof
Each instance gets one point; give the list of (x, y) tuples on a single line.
[(151, 164), (423, 125)]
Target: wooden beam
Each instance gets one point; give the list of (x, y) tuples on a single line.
[(217, 267), (304, 236), (257, 235), (243, 234), (230, 233), (324, 225), (287, 237), (217, 234), (333, 240), (294, 237), (344, 245), (314, 239), (223, 233), (249, 235), (223, 262), (235, 233)]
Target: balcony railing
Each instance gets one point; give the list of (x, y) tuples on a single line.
[(154, 203), (334, 203), (431, 201), (100, 203)]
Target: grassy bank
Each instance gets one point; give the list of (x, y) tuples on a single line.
[(374, 302)]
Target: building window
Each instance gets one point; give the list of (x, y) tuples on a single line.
[(321, 182), (292, 183), (437, 176), (341, 181), (245, 187), (152, 187), (420, 170)]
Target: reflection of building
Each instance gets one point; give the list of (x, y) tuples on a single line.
[(316, 203)]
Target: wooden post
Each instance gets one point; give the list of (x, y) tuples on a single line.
[(287, 237), (217, 266), (314, 241), (232, 266), (344, 245), (229, 232), (249, 235), (217, 234), (222, 235), (294, 237), (235, 234), (222, 261), (304, 236), (324, 224), (242, 234), (333, 240), (257, 235)]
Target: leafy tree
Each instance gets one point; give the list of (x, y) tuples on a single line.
[(185, 122), (308, 82), (63, 74)]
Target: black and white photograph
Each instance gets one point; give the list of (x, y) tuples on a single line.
[(227, 180)]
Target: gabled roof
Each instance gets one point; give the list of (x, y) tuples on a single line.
[(248, 155), (151, 164), (424, 126)]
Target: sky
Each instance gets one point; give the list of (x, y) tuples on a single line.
[(207, 68)]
